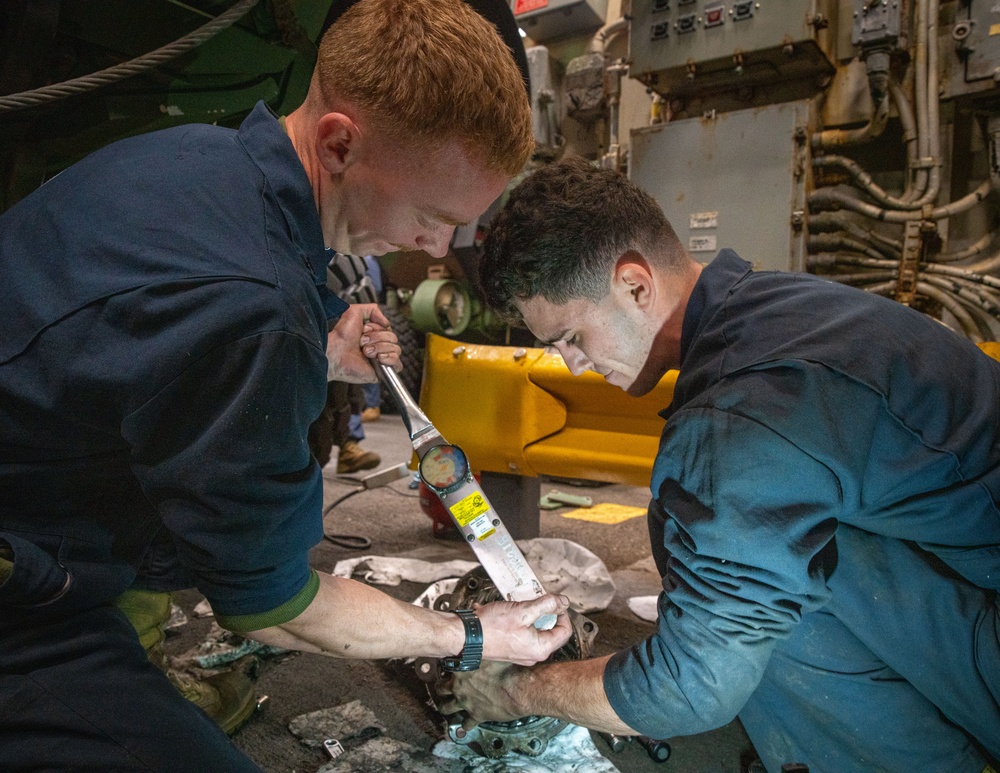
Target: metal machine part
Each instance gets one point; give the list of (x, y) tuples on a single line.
[(441, 306), (545, 20), (527, 735), (699, 46)]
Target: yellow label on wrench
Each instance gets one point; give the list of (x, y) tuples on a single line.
[(468, 511)]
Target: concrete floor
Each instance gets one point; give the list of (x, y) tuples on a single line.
[(392, 519)]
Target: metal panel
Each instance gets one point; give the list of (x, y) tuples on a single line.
[(731, 180), (983, 41), (546, 20), (687, 46)]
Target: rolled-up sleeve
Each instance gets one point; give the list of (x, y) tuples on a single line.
[(221, 451), (747, 521)]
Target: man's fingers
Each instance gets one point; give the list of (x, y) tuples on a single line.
[(372, 313), (552, 604)]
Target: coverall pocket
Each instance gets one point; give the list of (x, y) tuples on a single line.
[(36, 577)]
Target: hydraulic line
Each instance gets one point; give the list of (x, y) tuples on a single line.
[(985, 266), (973, 298), (971, 251), (118, 72), (921, 97), (910, 137), (930, 268), (829, 198), (831, 138), (833, 242), (957, 310), (837, 221)]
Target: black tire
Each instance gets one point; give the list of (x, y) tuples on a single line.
[(412, 343)]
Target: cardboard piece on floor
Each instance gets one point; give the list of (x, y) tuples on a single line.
[(606, 512)]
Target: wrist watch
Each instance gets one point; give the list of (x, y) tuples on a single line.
[(472, 654)]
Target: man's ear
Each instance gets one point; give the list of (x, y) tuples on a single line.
[(337, 141), (633, 277)]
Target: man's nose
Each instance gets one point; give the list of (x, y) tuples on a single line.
[(575, 360), (435, 243)]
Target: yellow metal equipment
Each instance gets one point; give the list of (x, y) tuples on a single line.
[(520, 411)]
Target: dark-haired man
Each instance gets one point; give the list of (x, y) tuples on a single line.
[(825, 496)]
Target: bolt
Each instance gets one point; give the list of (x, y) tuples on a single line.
[(471, 538), (460, 732), (458, 351), (496, 521), (425, 668), (520, 354)]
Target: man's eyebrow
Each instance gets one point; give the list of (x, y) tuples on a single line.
[(445, 218)]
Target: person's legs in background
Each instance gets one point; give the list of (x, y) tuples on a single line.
[(373, 402), (334, 428)]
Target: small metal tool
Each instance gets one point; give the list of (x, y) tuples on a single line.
[(616, 742), (658, 751), (333, 747)]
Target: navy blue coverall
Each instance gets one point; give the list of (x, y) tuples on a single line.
[(825, 521), (163, 355)]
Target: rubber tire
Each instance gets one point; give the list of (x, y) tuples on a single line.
[(411, 342)]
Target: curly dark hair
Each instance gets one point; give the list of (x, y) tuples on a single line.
[(562, 230)]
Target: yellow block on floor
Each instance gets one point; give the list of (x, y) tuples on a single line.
[(606, 512)]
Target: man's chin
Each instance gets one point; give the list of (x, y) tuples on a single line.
[(641, 386)]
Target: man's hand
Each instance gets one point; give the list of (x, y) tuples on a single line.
[(361, 335), (509, 631), (486, 695)]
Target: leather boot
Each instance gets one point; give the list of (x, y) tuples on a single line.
[(227, 697), (353, 457)]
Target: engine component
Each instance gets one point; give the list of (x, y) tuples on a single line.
[(528, 735)]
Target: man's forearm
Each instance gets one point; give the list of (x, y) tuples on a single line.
[(571, 690), (351, 620)]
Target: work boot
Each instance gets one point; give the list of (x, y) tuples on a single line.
[(374, 413), (353, 457), (228, 697)]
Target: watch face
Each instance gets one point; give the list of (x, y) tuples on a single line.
[(443, 468)]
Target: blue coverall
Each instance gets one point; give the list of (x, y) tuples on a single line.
[(164, 353), (825, 521)]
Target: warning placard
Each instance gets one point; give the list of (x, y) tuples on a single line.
[(465, 510)]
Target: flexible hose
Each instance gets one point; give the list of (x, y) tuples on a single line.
[(829, 198), (84, 83), (957, 310), (971, 251)]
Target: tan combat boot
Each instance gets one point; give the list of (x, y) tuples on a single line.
[(227, 697), (353, 457)]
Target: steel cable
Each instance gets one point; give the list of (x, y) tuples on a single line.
[(84, 83)]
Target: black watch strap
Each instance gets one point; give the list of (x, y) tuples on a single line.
[(472, 654)]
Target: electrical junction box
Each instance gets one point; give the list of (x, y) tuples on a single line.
[(733, 179), (978, 39), (546, 20), (688, 47)]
